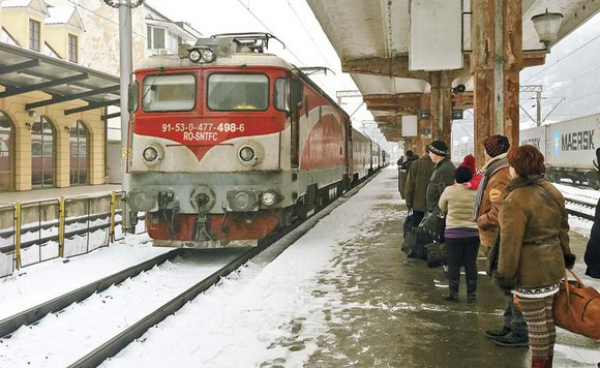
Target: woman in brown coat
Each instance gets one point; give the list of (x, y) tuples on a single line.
[(534, 247)]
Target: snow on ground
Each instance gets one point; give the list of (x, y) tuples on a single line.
[(60, 339), (42, 282), (246, 319), (585, 195)]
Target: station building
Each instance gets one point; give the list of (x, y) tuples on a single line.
[(59, 88)]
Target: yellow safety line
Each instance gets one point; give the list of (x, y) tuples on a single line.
[(61, 227), (113, 210), (18, 235)]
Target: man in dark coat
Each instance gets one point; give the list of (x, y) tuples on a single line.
[(441, 176), (416, 185), (410, 159)]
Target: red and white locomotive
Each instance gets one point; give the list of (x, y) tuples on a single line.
[(230, 143)]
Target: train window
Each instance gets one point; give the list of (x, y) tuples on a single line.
[(282, 94), (238, 92), (169, 92)]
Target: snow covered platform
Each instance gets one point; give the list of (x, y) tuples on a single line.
[(344, 295)]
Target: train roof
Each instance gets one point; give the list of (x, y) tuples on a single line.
[(237, 59)]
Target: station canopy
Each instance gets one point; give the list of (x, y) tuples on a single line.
[(390, 50), (23, 71)]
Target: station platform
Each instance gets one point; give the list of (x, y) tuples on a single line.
[(396, 316), (8, 198)]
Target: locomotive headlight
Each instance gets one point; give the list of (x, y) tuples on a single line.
[(247, 153), (150, 154), (242, 200), (195, 56), (268, 199), (141, 201), (208, 56)]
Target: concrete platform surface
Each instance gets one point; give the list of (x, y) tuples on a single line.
[(397, 317)]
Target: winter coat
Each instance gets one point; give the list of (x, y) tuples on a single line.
[(491, 200), (416, 183), (474, 183), (409, 162), (441, 177), (592, 252), (458, 202), (534, 239)]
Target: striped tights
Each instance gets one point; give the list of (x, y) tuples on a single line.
[(542, 332)]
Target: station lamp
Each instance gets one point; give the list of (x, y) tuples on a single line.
[(547, 26)]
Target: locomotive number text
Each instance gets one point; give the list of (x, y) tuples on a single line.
[(203, 127)]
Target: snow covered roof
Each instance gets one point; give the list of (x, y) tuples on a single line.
[(59, 15), (15, 3), (64, 15), (37, 5)]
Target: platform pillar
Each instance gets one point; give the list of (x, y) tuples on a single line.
[(441, 104), (497, 59)]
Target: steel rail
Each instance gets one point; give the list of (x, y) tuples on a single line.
[(577, 213), (119, 342), (10, 324)]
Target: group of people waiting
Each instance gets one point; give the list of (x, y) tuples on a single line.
[(517, 218)]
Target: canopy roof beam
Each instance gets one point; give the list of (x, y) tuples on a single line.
[(35, 87), (76, 96), (92, 106), (5, 69)]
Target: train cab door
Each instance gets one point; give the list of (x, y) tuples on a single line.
[(297, 104)]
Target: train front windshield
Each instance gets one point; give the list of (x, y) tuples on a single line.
[(174, 92), (238, 92)]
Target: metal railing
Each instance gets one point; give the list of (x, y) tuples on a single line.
[(35, 232)]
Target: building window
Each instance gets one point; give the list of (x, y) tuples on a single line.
[(79, 154), (34, 35), (42, 154), (7, 156), (161, 39), (73, 48)]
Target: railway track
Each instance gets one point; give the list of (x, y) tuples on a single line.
[(168, 269), (581, 209)]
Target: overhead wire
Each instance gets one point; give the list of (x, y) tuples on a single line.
[(563, 58), (308, 33), (247, 7)]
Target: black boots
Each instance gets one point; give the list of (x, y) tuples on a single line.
[(494, 334), (452, 296), (513, 339), (471, 291)]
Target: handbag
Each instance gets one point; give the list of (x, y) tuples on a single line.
[(576, 308), (434, 224)]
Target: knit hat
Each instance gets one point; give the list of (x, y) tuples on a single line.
[(469, 163), (496, 145), (439, 148)]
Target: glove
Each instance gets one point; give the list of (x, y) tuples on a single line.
[(569, 260), (503, 283)]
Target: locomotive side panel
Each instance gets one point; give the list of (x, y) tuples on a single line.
[(361, 155)]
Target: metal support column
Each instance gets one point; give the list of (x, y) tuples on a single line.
[(126, 68)]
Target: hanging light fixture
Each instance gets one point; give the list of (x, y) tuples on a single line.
[(547, 26)]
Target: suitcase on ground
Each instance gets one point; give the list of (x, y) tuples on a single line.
[(436, 254), (409, 224)]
